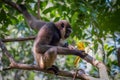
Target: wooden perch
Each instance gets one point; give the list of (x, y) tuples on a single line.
[(81, 75)]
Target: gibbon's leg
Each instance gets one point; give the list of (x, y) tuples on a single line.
[(49, 58)]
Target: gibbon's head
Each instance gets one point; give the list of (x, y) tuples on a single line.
[(64, 27)]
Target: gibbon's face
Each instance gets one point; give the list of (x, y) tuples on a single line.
[(65, 29)]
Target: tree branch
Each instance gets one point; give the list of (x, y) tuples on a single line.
[(15, 65), (38, 4), (4, 50), (80, 75), (18, 39)]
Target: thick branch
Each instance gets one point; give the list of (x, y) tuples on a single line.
[(18, 39), (61, 73), (102, 71), (35, 67)]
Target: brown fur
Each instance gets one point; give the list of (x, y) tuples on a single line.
[(44, 37), (49, 34)]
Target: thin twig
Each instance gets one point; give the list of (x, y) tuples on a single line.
[(18, 39), (4, 50), (104, 55), (38, 9)]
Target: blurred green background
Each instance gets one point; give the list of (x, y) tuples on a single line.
[(94, 22)]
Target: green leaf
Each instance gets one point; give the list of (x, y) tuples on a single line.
[(74, 18), (109, 53), (48, 10), (110, 50)]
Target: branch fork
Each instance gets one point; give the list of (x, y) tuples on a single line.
[(79, 74)]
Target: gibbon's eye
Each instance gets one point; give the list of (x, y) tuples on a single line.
[(62, 25)]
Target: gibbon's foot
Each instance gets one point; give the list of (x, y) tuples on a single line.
[(54, 68)]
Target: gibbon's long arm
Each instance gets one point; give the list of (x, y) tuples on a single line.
[(31, 20)]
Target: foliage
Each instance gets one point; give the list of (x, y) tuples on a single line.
[(95, 22)]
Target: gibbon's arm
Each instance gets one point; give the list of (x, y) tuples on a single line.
[(32, 21)]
